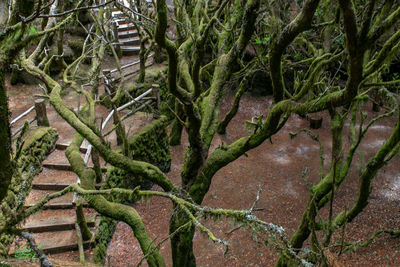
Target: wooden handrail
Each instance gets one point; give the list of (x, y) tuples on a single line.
[(22, 115), (104, 124)]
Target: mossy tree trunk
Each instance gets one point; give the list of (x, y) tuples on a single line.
[(11, 43), (182, 235), (13, 39), (177, 127), (81, 221), (5, 139), (200, 117), (116, 211), (199, 167)]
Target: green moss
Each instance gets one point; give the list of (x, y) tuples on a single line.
[(157, 75), (38, 143), (104, 233)]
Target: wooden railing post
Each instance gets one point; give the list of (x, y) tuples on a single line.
[(41, 115), (156, 95)]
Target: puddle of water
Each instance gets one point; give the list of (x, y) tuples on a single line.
[(393, 191), (378, 127), (280, 157), (376, 144), (289, 189), (302, 150)]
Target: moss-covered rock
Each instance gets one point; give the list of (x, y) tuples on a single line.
[(150, 144), (37, 145), (105, 231)]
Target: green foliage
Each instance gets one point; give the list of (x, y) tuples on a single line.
[(32, 30), (318, 13), (263, 41), (395, 77), (26, 252), (298, 56)]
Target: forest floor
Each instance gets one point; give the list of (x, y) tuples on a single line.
[(276, 167)]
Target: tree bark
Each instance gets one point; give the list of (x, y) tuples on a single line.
[(5, 139), (177, 127), (181, 239)]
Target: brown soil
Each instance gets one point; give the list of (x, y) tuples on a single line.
[(276, 167)]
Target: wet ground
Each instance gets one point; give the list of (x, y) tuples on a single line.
[(277, 168)]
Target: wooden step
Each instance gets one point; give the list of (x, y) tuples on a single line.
[(58, 157), (118, 14), (130, 50), (59, 242), (55, 176), (127, 34), (54, 186), (36, 195), (63, 167), (54, 227), (126, 27), (56, 217), (129, 41), (60, 167), (64, 146), (49, 186), (58, 206), (120, 21)]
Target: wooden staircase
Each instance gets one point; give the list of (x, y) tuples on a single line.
[(54, 227), (127, 34)]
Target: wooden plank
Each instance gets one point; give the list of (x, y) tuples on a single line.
[(49, 186), (55, 186), (62, 146), (130, 50), (61, 167), (57, 206), (54, 227), (64, 167), (126, 27), (129, 41), (66, 248), (22, 115), (126, 34)]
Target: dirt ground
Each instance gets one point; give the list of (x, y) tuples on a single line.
[(276, 167)]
